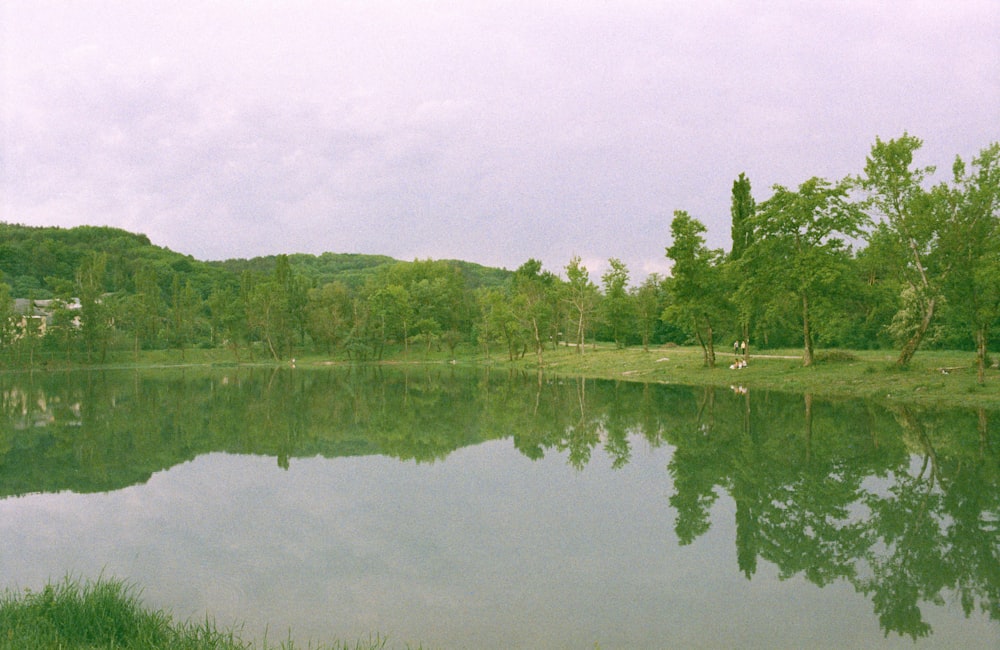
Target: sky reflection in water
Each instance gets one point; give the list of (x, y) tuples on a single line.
[(488, 548)]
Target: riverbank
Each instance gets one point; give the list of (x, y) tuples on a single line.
[(934, 378)]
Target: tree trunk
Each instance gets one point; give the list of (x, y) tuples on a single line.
[(910, 347), (538, 341), (704, 348), (711, 348), (807, 352), (270, 345), (981, 355)]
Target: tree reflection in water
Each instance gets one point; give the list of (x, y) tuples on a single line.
[(901, 503)]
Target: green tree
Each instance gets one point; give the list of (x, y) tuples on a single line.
[(6, 316), (147, 307), (617, 307), (698, 296), (533, 293), (267, 316), (742, 208), (329, 314), (95, 323), (392, 309), (275, 307), (909, 231), (184, 306), (800, 250), (582, 296), (973, 246), (228, 318), (649, 301), (498, 322)]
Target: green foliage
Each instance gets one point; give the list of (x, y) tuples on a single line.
[(700, 295), (535, 300), (799, 253), (617, 308), (107, 613), (742, 210), (41, 258), (583, 297), (648, 302)]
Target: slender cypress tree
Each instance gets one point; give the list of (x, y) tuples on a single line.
[(742, 210)]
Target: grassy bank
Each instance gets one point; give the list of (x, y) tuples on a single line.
[(107, 613), (939, 378)]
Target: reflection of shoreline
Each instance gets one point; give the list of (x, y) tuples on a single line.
[(129, 424)]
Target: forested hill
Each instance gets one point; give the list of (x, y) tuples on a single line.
[(35, 261), (41, 262), (353, 269)]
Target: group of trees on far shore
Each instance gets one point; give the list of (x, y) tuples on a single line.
[(876, 260)]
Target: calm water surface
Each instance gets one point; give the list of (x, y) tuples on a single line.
[(475, 510)]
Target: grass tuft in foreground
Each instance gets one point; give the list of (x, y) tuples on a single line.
[(107, 613)]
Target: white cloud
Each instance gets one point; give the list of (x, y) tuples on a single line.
[(482, 131)]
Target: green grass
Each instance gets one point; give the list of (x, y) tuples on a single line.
[(108, 614), (941, 378)]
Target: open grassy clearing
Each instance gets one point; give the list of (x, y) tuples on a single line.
[(941, 378)]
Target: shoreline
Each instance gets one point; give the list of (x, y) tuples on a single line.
[(935, 378)]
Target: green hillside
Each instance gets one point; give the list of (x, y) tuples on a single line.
[(34, 260)]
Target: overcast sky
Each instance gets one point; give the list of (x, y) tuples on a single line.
[(485, 131)]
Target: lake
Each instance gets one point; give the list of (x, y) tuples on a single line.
[(466, 508)]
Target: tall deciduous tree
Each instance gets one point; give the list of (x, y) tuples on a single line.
[(94, 319), (973, 246), (910, 231), (147, 305), (329, 314), (499, 322), (391, 307), (799, 250), (533, 294), (698, 293), (227, 309), (617, 304), (582, 296), (648, 301), (184, 304)]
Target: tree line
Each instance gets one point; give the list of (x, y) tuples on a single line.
[(876, 259), (880, 259)]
